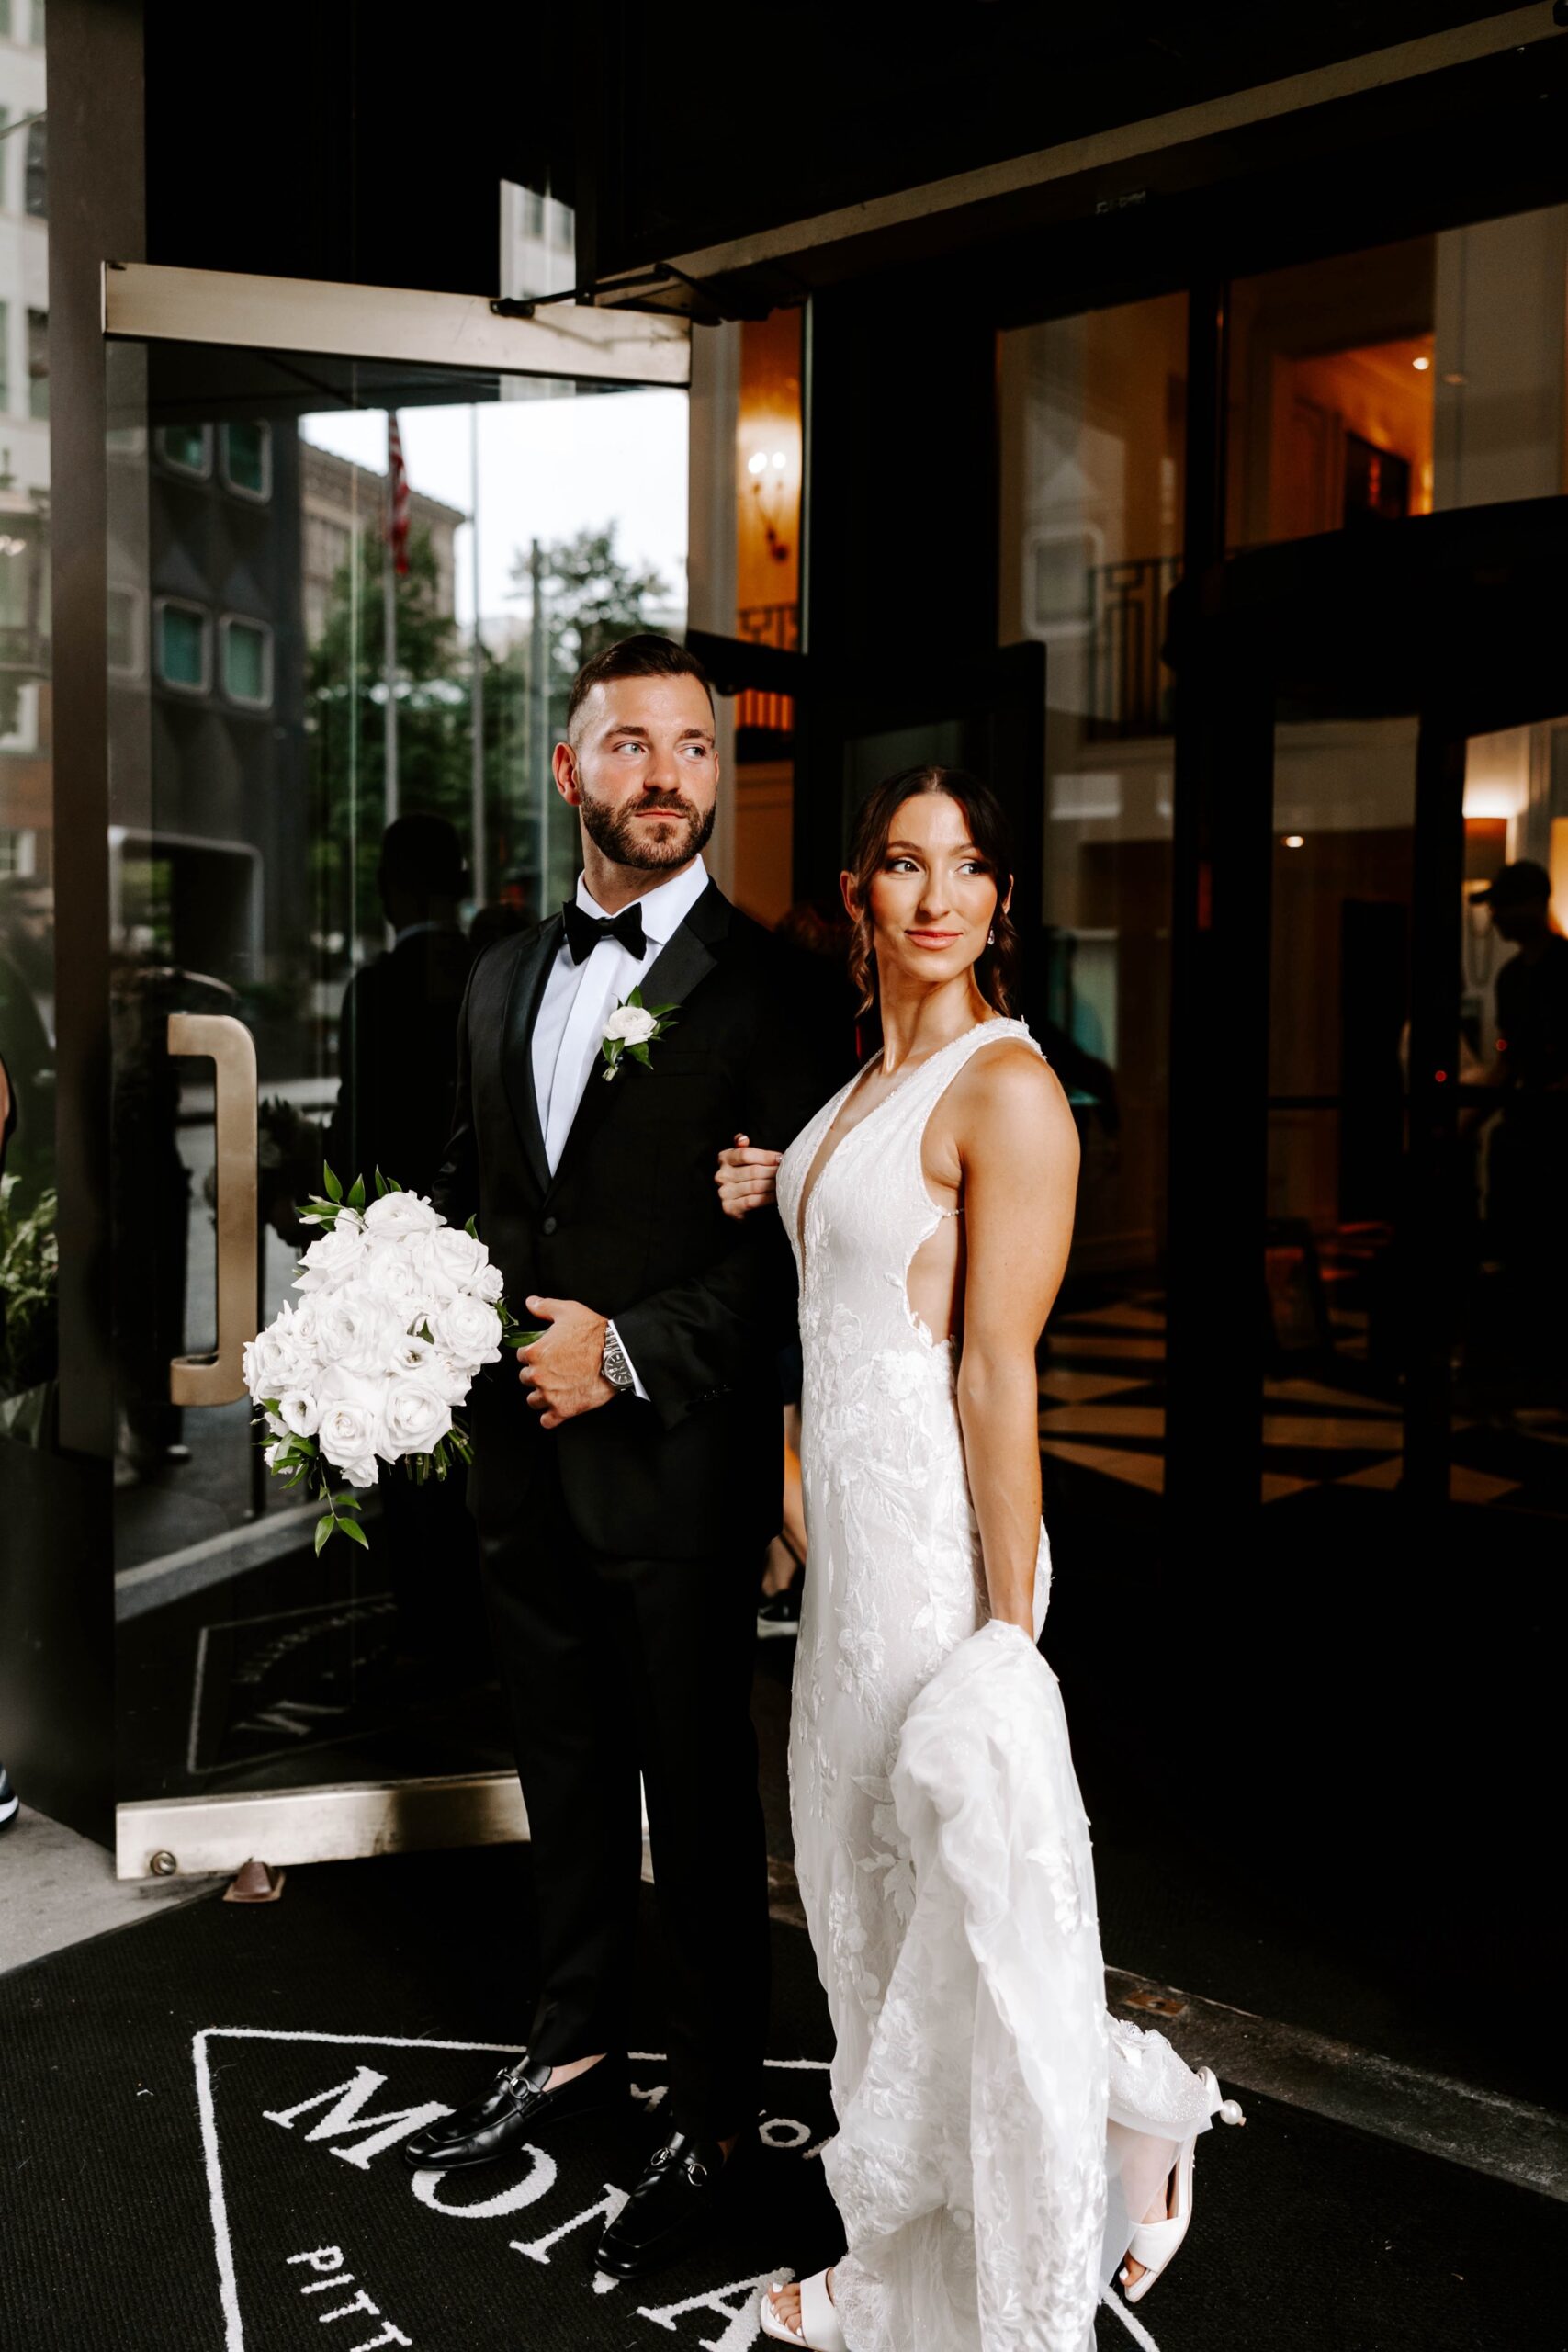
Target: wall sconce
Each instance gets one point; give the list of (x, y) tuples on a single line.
[(769, 469)]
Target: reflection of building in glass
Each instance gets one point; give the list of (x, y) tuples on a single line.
[(25, 813), (338, 499), (212, 645), (537, 242)]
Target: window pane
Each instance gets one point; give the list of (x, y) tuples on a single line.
[(245, 662), (38, 363), (27, 1011), (1405, 380), (1092, 433), (185, 446), (183, 647), (246, 456)]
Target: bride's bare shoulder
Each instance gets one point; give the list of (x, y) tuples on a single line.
[(1007, 1094)]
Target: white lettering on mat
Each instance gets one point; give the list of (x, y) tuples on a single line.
[(330, 2292), (742, 2330), (345, 2117), (329, 2259)]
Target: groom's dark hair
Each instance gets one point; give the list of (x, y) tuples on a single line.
[(645, 655)]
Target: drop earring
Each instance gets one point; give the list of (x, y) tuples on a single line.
[(990, 939)]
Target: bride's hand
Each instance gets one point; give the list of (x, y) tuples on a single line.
[(746, 1177)]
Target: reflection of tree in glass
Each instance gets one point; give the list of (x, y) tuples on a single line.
[(30, 1270), (346, 707), (590, 598)]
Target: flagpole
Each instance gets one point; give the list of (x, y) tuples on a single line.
[(390, 620), (477, 852)]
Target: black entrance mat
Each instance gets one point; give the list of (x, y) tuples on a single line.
[(199, 2128)]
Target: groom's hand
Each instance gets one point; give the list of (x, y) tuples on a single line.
[(561, 1372)]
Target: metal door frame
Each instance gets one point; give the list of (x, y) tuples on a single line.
[(151, 304)]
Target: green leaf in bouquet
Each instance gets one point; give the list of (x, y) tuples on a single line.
[(333, 1188), (472, 1229), (357, 1194), (380, 1186), (324, 1527), (352, 1528), (346, 1501), (640, 1053)]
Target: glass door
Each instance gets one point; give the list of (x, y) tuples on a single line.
[(1415, 1241), (346, 598)]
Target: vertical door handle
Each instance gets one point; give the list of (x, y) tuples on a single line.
[(217, 1379)]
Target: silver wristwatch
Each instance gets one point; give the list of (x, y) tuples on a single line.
[(614, 1363)]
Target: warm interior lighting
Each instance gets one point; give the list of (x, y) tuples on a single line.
[(1421, 362), (780, 461), (1295, 840), (757, 463)]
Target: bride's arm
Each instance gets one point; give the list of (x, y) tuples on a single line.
[(746, 1177), (1018, 1150)]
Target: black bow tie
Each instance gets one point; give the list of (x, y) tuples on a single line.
[(583, 931)]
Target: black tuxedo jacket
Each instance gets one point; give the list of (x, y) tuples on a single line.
[(630, 1226)]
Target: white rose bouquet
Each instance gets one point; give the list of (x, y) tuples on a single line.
[(398, 1312)]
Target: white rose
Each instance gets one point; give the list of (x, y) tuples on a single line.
[(263, 1363), (299, 1412), (302, 1336), (452, 1260), (350, 1432), (415, 1359), (332, 1257), (360, 1474), (399, 1213), (633, 1024), (467, 1330), (270, 1452), (451, 1380), (417, 1419), (489, 1284), (359, 1331), (396, 1274)]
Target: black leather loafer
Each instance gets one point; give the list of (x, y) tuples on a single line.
[(685, 2187), (515, 2106)]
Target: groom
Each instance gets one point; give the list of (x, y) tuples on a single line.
[(628, 1467)]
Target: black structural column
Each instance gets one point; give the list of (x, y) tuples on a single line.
[(1219, 1046), (900, 539), (1430, 1271)]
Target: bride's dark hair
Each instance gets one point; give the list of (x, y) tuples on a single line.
[(995, 971)]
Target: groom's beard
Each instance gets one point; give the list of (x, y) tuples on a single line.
[(621, 836)]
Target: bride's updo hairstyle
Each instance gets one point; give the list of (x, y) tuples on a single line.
[(996, 972)]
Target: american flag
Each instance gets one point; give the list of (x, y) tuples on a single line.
[(397, 497)]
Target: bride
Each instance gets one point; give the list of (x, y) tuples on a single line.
[(1003, 2145)]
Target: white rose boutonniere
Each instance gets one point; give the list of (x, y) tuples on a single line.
[(631, 1029)]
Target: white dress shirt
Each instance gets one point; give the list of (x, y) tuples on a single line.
[(578, 999)]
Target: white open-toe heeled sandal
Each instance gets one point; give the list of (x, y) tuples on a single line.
[(819, 2329), (1155, 2243)]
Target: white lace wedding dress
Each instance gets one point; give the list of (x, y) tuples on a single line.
[(998, 2134)]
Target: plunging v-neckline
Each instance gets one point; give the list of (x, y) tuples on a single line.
[(821, 1163)]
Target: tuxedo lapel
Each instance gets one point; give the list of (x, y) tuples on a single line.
[(528, 978), (687, 956), (684, 962)]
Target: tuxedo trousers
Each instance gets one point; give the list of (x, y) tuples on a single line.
[(614, 1667)]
